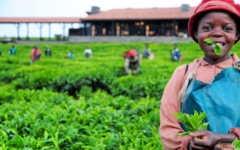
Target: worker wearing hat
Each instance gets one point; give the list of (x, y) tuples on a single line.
[(205, 6), (132, 62), (219, 21)]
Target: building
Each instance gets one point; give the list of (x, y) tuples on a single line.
[(132, 24), (137, 22)]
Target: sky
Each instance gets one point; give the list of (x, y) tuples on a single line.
[(69, 8)]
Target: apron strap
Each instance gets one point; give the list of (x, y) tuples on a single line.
[(237, 65), (191, 75)]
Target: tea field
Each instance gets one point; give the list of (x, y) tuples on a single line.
[(91, 104)]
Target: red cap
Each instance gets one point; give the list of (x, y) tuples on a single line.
[(132, 53), (210, 5)]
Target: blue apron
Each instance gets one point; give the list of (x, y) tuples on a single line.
[(219, 99)]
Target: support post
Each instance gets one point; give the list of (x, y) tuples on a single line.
[(27, 38), (63, 35), (40, 27), (49, 31), (18, 31)]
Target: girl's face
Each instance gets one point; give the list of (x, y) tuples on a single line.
[(222, 29)]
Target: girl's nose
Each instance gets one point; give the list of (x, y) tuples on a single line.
[(217, 32)]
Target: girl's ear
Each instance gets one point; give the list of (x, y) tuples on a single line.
[(237, 36)]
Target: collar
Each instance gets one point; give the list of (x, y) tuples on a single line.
[(223, 64)]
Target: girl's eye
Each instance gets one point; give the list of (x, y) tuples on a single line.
[(206, 28), (227, 29)]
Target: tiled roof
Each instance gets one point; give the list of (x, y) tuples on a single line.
[(40, 20), (114, 14), (140, 14)]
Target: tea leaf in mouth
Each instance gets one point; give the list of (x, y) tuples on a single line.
[(217, 48), (209, 41)]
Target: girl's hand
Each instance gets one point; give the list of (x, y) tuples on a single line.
[(203, 140), (224, 146)]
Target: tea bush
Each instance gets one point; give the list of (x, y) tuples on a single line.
[(57, 103)]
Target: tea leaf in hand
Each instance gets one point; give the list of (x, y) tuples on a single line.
[(236, 144), (184, 133), (193, 122)]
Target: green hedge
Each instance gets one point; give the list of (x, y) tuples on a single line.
[(57, 103)]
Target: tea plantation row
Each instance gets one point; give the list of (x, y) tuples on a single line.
[(57, 103)]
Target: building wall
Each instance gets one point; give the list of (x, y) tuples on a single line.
[(157, 39)]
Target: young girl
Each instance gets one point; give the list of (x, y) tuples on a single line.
[(218, 20)]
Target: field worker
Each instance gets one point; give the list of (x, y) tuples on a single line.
[(48, 51), (146, 52), (88, 52), (214, 25), (70, 55), (36, 54), (176, 54), (132, 62), (12, 50)]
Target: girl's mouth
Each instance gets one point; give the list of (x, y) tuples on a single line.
[(219, 44)]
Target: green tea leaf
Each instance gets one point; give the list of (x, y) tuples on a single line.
[(192, 122), (209, 41), (183, 133), (217, 49), (4, 134), (236, 144), (45, 134), (203, 126)]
